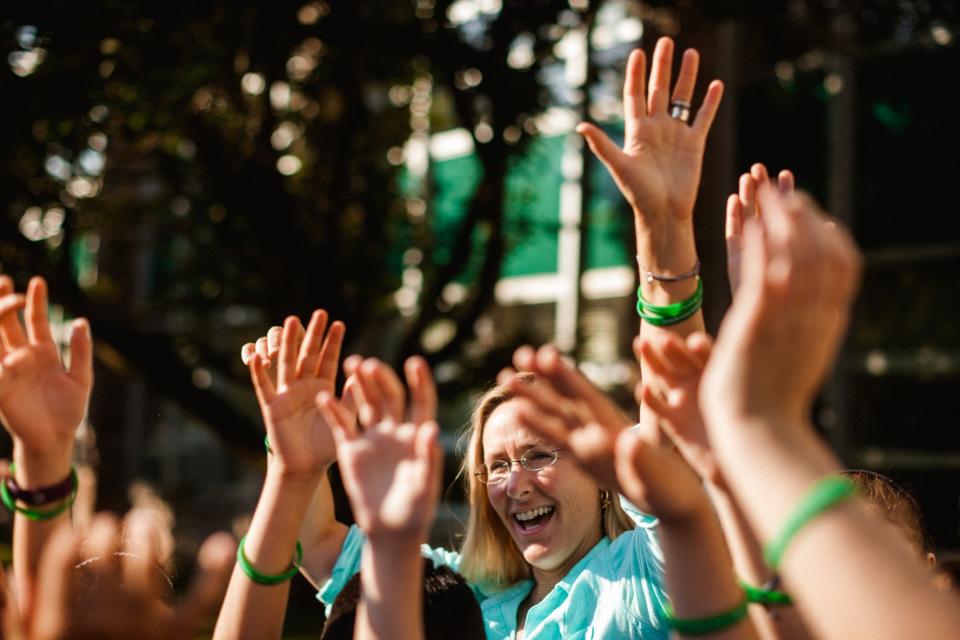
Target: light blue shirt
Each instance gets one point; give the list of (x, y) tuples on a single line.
[(615, 591)]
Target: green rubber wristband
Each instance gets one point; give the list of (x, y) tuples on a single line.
[(262, 578), (266, 444), (765, 597), (37, 514), (659, 321), (709, 624), (827, 492), (674, 309)]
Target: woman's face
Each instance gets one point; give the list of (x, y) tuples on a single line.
[(552, 515)]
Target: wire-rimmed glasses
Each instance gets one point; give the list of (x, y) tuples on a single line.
[(535, 460)]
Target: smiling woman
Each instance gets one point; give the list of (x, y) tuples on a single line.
[(549, 552), (496, 546), (553, 555)]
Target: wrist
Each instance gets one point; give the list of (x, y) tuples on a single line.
[(35, 469), (390, 541), (295, 479), (695, 516), (666, 253), (667, 244), (389, 555)]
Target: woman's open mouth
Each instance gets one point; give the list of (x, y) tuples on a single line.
[(533, 520)]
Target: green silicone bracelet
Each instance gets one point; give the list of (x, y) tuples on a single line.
[(703, 626), (827, 492), (37, 514), (262, 578), (658, 321), (266, 444), (674, 309), (766, 597)]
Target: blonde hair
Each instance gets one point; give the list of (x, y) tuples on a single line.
[(488, 556)]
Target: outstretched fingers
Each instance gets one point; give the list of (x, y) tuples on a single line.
[(786, 181), (342, 421), (549, 426), (748, 194), (11, 303), (11, 333), (247, 351), (81, 353), (759, 172), (289, 348), (262, 384), (423, 391), (687, 77), (573, 384), (659, 93), (430, 454), (36, 315), (708, 110), (381, 394), (634, 93), (308, 358), (326, 368)]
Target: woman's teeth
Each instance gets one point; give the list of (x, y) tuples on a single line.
[(526, 516)]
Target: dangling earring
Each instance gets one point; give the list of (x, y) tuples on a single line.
[(604, 499)]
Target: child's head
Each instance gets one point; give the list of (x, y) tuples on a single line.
[(896, 505), (450, 609)]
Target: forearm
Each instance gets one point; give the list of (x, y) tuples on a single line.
[(848, 571), (30, 536), (698, 574), (783, 623), (667, 251), (321, 536), (250, 609), (391, 602)]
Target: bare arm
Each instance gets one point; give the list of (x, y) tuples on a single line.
[(849, 573), (679, 365), (302, 450), (41, 405), (658, 171), (391, 470), (577, 416)]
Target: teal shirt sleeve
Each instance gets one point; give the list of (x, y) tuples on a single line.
[(643, 561), (348, 564)]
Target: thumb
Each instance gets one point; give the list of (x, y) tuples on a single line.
[(602, 146)]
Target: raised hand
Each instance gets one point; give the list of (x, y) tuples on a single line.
[(569, 411), (799, 275), (679, 365), (300, 439), (268, 348), (658, 169), (41, 402), (118, 594), (391, 461), (742, 206)]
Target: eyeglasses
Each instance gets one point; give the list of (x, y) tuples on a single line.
[(535, 460)]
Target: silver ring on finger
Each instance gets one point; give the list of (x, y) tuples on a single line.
[(680, 109)]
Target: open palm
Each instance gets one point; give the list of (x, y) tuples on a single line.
[(300, 438), (390, 462), (41, 403), (658, 168)]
